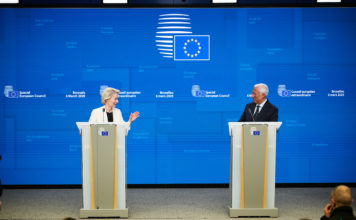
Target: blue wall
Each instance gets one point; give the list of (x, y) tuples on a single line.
[(306, 56)]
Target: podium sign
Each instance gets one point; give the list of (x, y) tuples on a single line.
[(252, 168), (104, 169)]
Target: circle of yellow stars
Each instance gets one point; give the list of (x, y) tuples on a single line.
[(192, 55)]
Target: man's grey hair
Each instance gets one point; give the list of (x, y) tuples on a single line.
[(108, 93), (262, 88)]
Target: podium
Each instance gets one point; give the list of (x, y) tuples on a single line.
[(253, 169), (104, 169)]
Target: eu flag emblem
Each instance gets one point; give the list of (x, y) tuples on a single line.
[(256, 133), (191, 47)]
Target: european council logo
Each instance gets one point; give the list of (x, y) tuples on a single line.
[(283, 92), (192, 47), (254, 131), (196, 92), (175, 40), (10, 93), (170, 25)]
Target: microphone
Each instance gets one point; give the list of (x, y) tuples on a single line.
[(249, 110), (103, 114)]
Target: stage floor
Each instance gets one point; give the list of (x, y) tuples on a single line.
[(160, 203)]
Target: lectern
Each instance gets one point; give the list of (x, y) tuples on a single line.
[(104, 169), (253, 169)]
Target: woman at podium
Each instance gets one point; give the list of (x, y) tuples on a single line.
[(108, 112)]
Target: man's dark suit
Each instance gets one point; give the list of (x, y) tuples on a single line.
[(269, 112), (343, 212)]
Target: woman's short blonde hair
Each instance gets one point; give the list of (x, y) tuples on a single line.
[(107, 93)]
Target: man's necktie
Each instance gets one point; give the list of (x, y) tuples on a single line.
[(256, 112)]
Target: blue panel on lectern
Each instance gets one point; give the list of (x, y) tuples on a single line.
[(55, 62)]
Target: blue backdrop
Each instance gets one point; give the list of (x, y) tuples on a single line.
[(53, 63)]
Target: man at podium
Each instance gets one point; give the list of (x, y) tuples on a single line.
[(260, 109), (108, 112)]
